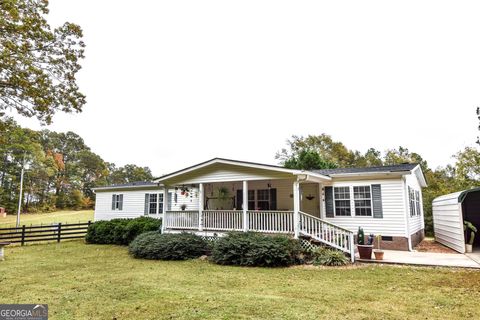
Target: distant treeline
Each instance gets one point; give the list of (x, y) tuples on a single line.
[(61, 169)]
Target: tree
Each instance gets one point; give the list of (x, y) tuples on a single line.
[(38, 65), (403, 155), (478, 116), (129, 173), (467, 166), (332, 152), (308, 160)]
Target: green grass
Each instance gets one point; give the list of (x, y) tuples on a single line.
[(47, 218), (81, 281)]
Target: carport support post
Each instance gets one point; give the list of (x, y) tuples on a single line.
[(200, 207), (245, 205), (296, 208)]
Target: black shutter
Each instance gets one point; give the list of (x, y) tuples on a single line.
[(239, 200), (120, 203), (113, 201), (273, 199), (147, 204), (329, 202), (377, 201)]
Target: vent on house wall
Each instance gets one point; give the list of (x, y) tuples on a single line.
[(387, 238)]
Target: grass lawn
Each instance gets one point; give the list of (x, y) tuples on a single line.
[(80, 281), (47, 218)]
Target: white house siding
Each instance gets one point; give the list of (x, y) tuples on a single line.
[(134, 203), (416, 223), (448, 222), (393, 221)]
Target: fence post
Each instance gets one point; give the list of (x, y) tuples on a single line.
[(23, 235), (59, 231)]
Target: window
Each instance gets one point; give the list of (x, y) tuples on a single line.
[(411, 200), (342, 201), (363, 201), (417, 202), (153, 203), (160, 203), (117, 202), (263, 199), (152, 206), (251, 199)]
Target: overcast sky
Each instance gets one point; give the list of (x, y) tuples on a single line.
[(173, 83)]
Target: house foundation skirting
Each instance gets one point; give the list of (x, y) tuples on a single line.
[(417, 237)]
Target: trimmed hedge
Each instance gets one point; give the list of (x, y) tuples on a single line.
[(255, 249), (168, 246), (120, 231)]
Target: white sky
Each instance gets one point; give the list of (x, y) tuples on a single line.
[(174, 83)]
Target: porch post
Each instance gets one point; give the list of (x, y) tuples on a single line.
[(245, 206), (165, 206), (200, 207), (296, 208)]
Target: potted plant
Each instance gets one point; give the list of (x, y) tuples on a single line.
[(378, 252), (364, 247), (468, 226)]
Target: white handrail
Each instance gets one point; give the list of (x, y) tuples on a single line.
[(181, 220), (223, 220), (270, 221), (327, 233)]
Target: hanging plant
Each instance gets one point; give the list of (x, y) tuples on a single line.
[(223, 193)]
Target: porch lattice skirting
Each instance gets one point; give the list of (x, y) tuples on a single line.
[(279, 222)]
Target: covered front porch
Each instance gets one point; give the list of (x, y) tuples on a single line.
[(259, 205), (237, 196)]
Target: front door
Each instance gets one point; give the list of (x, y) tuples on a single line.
[(310, 202)]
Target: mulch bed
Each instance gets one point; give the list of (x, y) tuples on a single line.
[(429, 245)]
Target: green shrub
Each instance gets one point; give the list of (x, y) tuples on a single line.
[(254, 249), (329, 257), (120, 231), (157, 246)]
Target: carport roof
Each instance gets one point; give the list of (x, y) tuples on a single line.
[(459, 195)]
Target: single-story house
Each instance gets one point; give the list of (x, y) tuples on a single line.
[(449, 213), (329, 205)]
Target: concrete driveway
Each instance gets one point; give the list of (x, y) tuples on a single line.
[(471, 260)]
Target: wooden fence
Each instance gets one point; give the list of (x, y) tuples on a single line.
[(53, 232)]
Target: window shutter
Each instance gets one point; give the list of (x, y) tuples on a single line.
[(239, 199), (377, 201), (147, 204), (113, 201), (273, 199), (120, 203), (329, 202)]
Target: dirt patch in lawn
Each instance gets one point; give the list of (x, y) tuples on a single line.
[(430, 245)]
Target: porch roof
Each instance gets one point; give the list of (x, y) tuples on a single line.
[(300, 174)]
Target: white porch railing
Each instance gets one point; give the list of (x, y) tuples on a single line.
[(181, 220), (264, 221), (327, 233), (223, 220), (270, 221)]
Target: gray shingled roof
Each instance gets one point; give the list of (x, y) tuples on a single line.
[(392, 168), (130, 184)]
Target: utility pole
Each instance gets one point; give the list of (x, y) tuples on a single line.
[(20, 195)]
